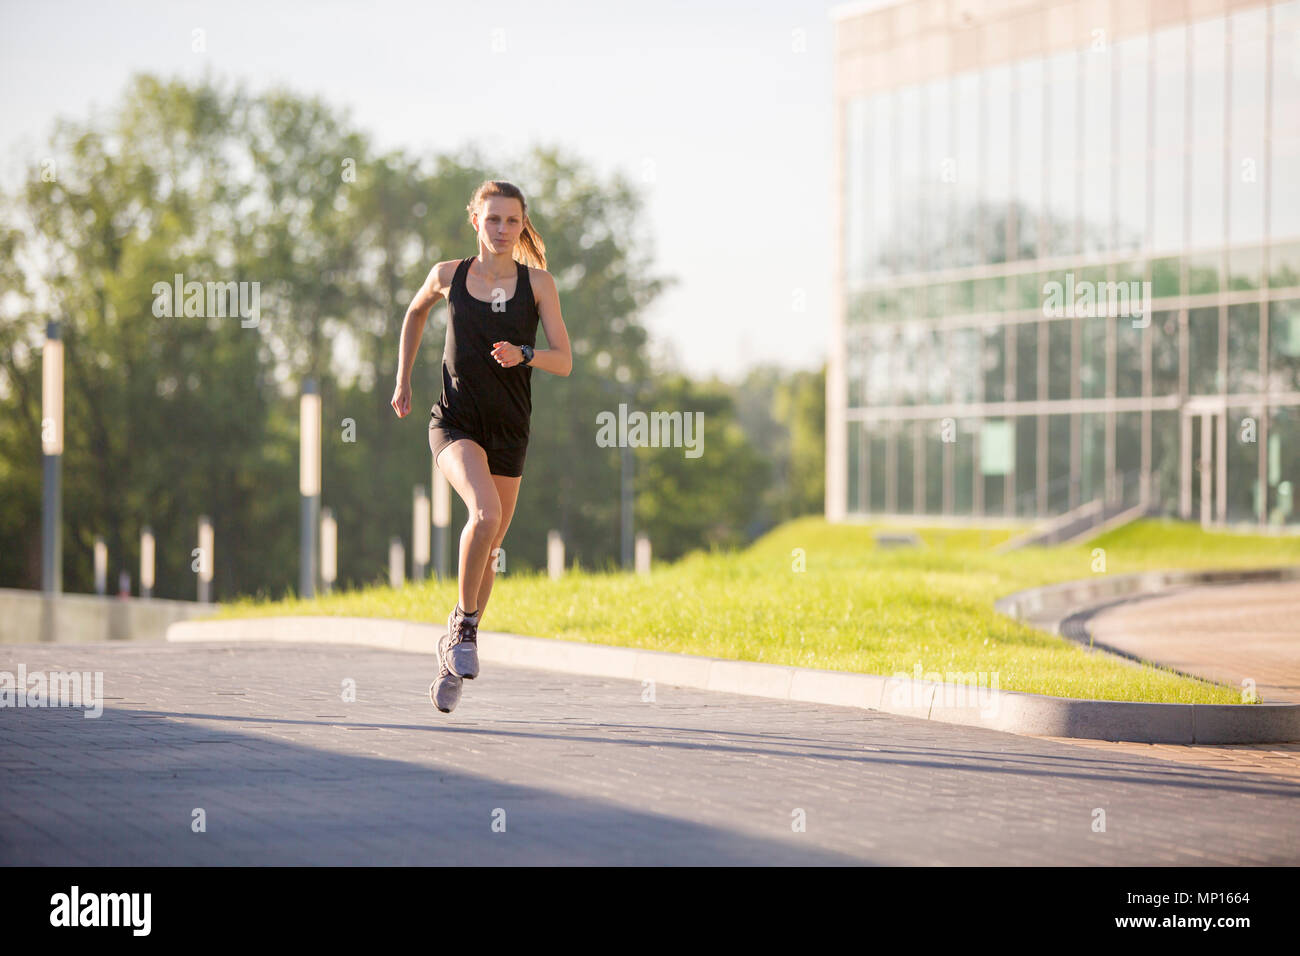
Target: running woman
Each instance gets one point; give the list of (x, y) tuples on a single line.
[(478, 430)]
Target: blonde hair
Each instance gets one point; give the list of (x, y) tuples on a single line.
[(530, 249)]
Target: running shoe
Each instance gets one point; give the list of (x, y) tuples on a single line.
[(446, 687), (462, 647)]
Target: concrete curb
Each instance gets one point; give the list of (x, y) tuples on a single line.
[(35, 617), (970, 704)]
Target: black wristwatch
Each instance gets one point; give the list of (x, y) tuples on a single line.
[(528, 353)]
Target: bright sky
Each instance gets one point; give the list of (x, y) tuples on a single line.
[(714, 96)]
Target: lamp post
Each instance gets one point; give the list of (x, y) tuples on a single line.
[(626, 535), (419, 534), (146, 562), (205, 560), (101, 566), (441, 521), (642, 553), (396, 563), (554, 554), (627, 470), (309, 484), (329, 549), (52, 449)]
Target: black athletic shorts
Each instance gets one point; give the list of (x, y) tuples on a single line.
[(507, 462)]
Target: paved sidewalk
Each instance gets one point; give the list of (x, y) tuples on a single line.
[(1278, 760), (583, 769), (1225, 633)]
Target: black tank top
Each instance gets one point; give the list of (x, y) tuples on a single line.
[(478, 395)]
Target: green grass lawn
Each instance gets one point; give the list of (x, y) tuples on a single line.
[(853, 607)]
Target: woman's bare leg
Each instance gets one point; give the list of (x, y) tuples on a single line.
[(508, 493), (465, 465)]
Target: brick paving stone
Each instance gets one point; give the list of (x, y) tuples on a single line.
[(584, 770)]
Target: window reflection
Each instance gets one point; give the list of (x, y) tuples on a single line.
[(1155, 155), (1245, 176), (1207, 133), (1169, 62), (1130, 146)]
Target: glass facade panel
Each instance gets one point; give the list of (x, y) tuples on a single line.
[(993, 364), (1245, 267), (1059, 378), (964, 359), (963, 466), (997, 164), (1203, 351), (1062, 153), (1165, 460), (855, 367), (905, 455), (1164, 332), (1128, 455), (1169, 63), (942, 162), (876, 462), (968, 218), (936, 298), (913, 184), (1284, 346), (1026, 466), (997, 461), (1097, 210), (1247, 29), (1207, 38), (1030, 290), (993, 293), (883, 214), (942, 370), (1243, 349), (1026, 361), (1092, 457), (1203, 270), (855, 474), (1092, 357), (1128, 357), (1284, 259), (911, 372), (934, 455), (1245, 498), (960, 298), (1284, 163), (1060, 476), (856, 197), (1130, 144), (1283, 464), (882, 361), (1027, 147), (1166, 277)]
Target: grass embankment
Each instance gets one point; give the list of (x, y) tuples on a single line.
[(854, 607)]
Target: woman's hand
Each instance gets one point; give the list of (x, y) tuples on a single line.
[(402, 398), (506, 354)]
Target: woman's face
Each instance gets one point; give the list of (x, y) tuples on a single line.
[(500, 221)]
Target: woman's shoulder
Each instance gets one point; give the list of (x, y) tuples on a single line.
[(445, 272), (542, 284), (539, 277)]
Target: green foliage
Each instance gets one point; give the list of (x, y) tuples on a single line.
[(170, 417), (784, 416)]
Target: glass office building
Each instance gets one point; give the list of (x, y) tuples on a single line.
[(1067, 260)]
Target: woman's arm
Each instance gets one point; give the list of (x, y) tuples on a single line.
[(412, 328), (557, 359)]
